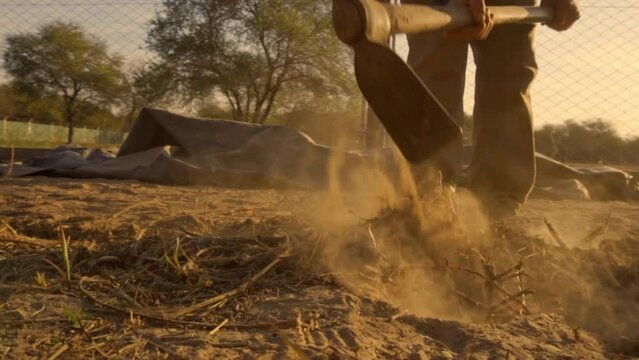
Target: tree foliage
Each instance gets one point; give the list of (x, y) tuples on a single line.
[(61, 61), (591, 141), (7, 101), (258, 58)]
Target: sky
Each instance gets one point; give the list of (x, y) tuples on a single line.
[(591, 71)]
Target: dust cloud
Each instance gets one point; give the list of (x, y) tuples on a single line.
[(389, 238), (428, 249)]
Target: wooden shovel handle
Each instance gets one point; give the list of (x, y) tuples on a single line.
[(418, 18), (356, 20), (374, 21)]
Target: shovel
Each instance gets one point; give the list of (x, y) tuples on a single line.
[(414, 118)]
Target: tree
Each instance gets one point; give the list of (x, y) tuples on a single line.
[(60, 60), (7, 101), (546, 140), (20, 106), (632, 151), (246, 55), (590, 141), (134, 94)]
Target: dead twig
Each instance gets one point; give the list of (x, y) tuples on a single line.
[(11, 161), (232, 293), (172, 317), (217, 328), (507, 296), (317, 241), (97, 347), (513, 297), (189, 233), (134, 206), (25, 240), (18, 238), (598, 230), (59, 352), (555, 235), (287, 324), (33, 321), (9, 227), (372, 237), (159, 345), (55, 267), (234, 344), (520, 282), (469, 300)]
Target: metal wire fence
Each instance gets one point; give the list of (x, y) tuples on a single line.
[(30, 134), (590, 72)]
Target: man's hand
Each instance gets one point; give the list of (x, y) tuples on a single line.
[(483, 21), (566, 13)]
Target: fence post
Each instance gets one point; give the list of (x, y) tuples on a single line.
[(4, 129), (84, 134), (30, 128)]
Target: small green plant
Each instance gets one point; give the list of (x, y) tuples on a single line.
[(41, 280), (184, 269), (174, 261), (75, 317), (65, 253), (576, 332), (134, 320)]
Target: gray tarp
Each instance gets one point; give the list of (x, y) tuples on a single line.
[(171, 149), (602, 182)]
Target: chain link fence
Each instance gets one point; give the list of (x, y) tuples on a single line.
[(588, 73), (30, 134), (586, 95), (122, 24)]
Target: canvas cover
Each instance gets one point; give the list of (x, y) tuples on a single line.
[(167, 148)]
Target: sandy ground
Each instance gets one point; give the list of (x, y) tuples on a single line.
[(133, 287)]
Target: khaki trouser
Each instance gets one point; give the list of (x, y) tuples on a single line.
[(503, 163)]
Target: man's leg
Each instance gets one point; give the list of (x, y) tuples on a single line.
[(441, 65), (502, 171)]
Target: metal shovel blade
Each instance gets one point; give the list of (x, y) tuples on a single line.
[(413, 117)]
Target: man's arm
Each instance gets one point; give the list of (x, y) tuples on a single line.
[(566, 13), (483, 21)]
